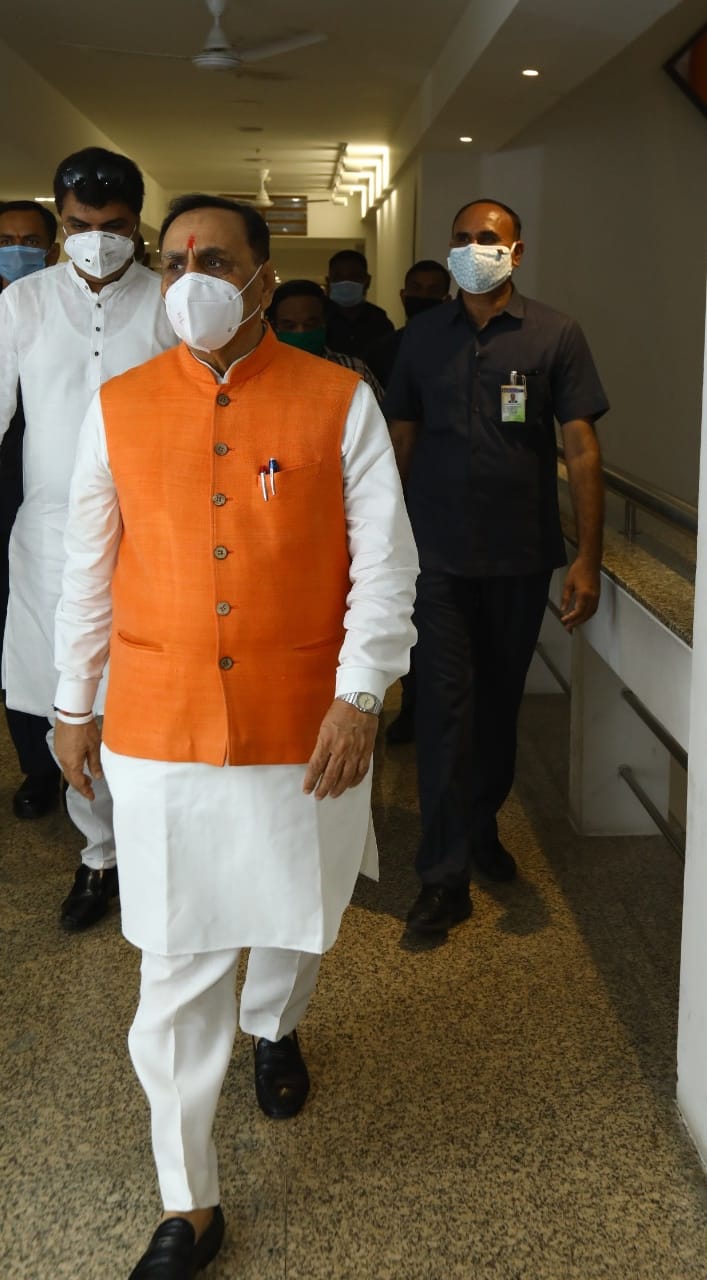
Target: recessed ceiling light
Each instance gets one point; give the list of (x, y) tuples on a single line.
[(530, 71), (44, 199), (466, 138)]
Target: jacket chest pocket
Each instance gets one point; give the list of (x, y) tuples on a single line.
[(287, 486)]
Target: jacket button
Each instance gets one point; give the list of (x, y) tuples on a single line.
[(220, 552), (223, 607), (219, 499), (220, 448), (225, 663), (222, 399)]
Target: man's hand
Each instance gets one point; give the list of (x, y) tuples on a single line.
[(343, 752), (580, 595), (77, 745)]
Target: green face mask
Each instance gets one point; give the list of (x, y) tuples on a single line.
[(313, 341)]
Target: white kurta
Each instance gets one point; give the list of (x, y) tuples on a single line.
[(60, 341), (213, 858)]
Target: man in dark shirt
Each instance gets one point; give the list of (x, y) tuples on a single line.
[(472, 404), (352, 323), (426, 286), (27, 243)]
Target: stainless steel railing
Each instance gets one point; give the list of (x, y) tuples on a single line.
[(639, 495)]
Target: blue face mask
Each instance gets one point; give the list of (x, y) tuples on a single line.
[(346, 293), (18, 260)]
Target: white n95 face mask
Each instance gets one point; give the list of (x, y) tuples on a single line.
[(478, 268), (99, 253), (205, 311)]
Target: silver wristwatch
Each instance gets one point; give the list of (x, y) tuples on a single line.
[(367, 702)]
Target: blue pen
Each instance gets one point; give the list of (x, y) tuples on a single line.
[(273, 467)]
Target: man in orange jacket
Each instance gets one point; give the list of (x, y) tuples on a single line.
[(238, 540)]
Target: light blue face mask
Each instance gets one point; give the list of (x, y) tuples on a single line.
[(18, 260), (346, 293)]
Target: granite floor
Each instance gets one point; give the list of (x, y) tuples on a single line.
[(500, 1107)]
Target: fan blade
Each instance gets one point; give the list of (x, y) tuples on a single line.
[(273, 47), (127, 53)]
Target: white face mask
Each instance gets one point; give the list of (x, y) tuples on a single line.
[(478, 268), (99, 253), (205, 311)]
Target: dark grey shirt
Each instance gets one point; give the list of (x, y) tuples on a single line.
[(482, 493)]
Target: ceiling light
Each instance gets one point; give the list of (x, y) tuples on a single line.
[(530, 71), (466, 138), (44, 199)]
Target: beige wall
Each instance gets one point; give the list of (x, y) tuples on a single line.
[(48, 129), (612, 187), (395, 240)]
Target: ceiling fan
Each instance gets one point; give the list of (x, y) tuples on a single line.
[(262, 200), (218, 54)]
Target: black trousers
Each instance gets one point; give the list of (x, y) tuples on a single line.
[(476, 638)]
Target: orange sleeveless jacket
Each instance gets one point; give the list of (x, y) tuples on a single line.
[(227, 609)]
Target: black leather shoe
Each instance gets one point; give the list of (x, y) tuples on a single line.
[(402, 728), (281, 1077), (173, 1254), (494, 861), (436, 909), (89, 898), (39, 794)]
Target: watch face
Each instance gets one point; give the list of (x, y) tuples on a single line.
[(366, 701)]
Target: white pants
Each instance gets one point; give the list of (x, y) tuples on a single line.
[(181, 1043), (94, 819)]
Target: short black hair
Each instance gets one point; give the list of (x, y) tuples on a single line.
[(97, 177), (33, 206), (517, 228), (295, 289), (428, 264), (352, 255), (256, 228)]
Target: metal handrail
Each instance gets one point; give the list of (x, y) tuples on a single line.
[(656, 501)]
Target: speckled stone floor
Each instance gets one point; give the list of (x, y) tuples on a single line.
[(501, 1107)]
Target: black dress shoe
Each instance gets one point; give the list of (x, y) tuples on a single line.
[(39, 794), (281, 1077), (89, 898), (402, 728), (494, 861), (173, 1253), (436, 909)]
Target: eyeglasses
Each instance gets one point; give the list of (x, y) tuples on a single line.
[(107, 174)]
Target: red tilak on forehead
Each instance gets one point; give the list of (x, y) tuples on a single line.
[(191, 242)]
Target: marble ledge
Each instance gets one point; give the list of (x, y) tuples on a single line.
[(660, 589)]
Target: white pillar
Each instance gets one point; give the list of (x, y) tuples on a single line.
[(692, 1027)]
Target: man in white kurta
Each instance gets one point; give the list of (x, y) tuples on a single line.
[(213, 858), (63, 332)]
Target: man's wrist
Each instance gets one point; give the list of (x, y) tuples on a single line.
[(73, 717)]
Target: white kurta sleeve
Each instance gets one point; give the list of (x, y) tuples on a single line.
[(384, 565), (9, 364), (83, 617)]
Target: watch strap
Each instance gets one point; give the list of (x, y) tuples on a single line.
[(366, 702)]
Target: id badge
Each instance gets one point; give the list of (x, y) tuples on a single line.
[(513, 402)]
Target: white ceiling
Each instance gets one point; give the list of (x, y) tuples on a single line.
[(407, 73)]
